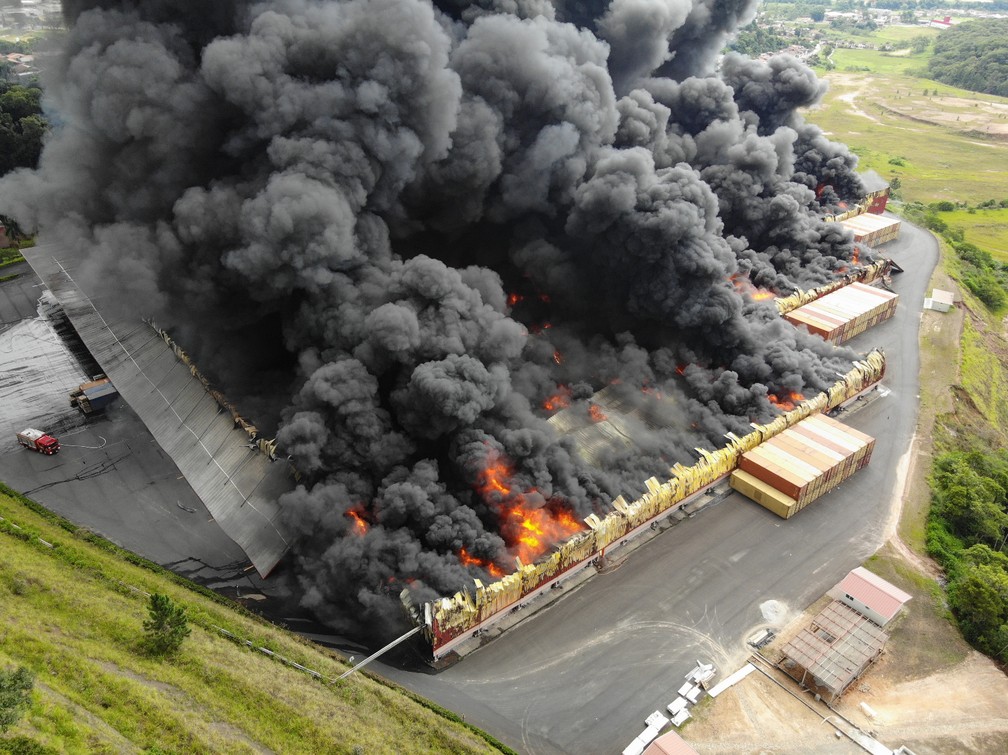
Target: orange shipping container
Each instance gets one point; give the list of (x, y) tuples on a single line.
[(846, 312), (803, 463)]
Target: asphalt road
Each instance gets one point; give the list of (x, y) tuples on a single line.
[(581, 675)]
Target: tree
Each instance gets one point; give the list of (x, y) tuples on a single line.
[(817, 14), (15, 695), (908, 16), (22, 126), (973, 55), (920, 43), (167, 627)]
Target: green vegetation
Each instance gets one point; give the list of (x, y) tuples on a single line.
[(973, 55), (167, 627), (73, 610), (967, 529), (10, 256), (977, 269), (754, 40), (15, 695), (22, 126)]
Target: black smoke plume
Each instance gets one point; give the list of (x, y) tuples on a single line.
[(394, 230)]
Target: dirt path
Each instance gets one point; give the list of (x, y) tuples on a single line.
[(850, 99)]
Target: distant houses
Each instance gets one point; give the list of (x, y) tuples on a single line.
[(21, 65)]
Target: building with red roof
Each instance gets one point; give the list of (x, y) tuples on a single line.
[(870, 595)]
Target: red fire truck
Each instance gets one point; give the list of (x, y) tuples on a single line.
[(37, 440)]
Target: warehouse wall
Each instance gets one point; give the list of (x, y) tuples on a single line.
[(866, 274)]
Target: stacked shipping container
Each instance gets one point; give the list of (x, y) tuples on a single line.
[(789, 471), (872, 229), (846, 312)]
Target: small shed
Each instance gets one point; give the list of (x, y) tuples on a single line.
[(835, 650), (870, 595), (940, 301)]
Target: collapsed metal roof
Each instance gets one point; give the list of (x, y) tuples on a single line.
[(623, 416), (239, 484), (837, 647)]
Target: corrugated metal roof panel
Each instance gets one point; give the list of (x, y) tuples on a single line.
[(870, 589), (837, 647), (240, 486)]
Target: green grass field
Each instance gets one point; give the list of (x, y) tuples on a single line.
[(986, 228), (899, 132), (877, 61), (73, 613), (949, 144)]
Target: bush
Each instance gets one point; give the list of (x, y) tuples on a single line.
[(24, 746), (966, 532), (987, 289), (935, 223), (15, 695), (167, 627), (942, 206)]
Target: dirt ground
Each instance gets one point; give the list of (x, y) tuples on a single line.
[(969, 115)]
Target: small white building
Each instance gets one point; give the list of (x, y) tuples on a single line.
[(870, 595), (940, 301)]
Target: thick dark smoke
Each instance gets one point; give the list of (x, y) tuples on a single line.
[(422, 221)]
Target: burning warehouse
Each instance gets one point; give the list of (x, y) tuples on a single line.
[(393, 232)]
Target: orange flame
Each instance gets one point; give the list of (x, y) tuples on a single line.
[(360, 524), (513, 299), (558, 357), (856, 257), (470, 560), (595, 413), (559, 400), (786, 401), (528, 530), (743, 285), (650, 390), (680, 369)]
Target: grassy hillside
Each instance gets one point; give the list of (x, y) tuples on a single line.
[(71, 609)]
